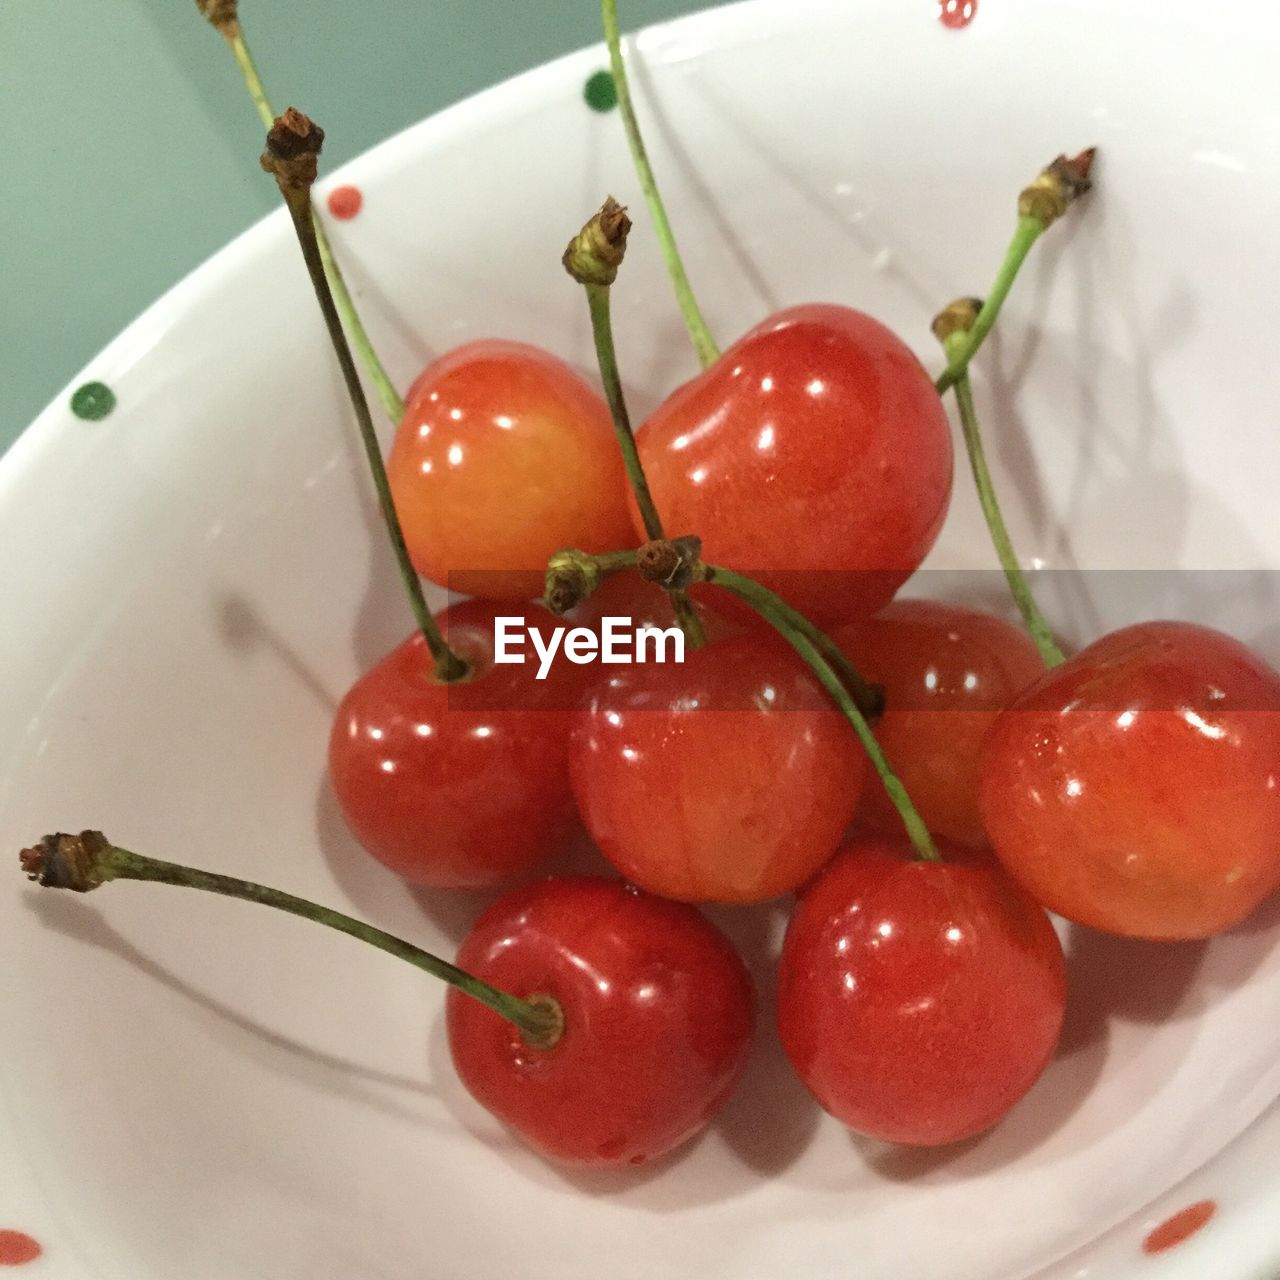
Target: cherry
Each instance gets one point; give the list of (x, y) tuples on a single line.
[(728, 778), (814, 455), (946, 671), (621, 1024), (918, 1000), (658, 1018), (505, 455), (1136, 788), (461, 784)]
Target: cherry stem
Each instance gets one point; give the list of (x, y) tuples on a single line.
[(1028, 231), (677, 561), (296, 190), (607, 358), (868, 697), (84, 862), (699, 334), (818, 652), (1040, 204), (1035, 621), (572, 576), (392, 402)]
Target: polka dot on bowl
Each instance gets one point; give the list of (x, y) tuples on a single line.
[(93, 401), (600, 93), (345, 202), (1182, 1226), (957, 13), (17, 1249)]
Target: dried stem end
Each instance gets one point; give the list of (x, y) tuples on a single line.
[(63, 861), (596, 252), (1057, 188), (572, 576), (956, 317), (222, 15), (547, 1034), (293, 147), (673, 563)]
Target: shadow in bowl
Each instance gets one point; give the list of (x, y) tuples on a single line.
[(79, 922)]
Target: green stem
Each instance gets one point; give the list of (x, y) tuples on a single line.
[(607, 358), (249, 72), (1027, 232), (780, 616), (700, 335), (448, 665), (1035, 621), (390, 397), (540, 1019)]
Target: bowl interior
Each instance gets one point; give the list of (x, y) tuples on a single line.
[(193, 1088)]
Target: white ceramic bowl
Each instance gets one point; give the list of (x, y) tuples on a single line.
[(194, 1088)]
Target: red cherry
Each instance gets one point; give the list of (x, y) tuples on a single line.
[(727, 778), (946, 671), (504, 456), (1136, 788), (814, 455), (657, 1011), (918, 1001), (463, 784)]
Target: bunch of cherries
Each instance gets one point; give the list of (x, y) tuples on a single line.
[(1131, 787)]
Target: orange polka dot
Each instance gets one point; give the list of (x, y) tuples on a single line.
[(1184, 1224), (345, 202), (17, 1248)]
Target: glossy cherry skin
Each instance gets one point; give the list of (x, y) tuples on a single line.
[(505, 455), (658, 1017), (946, 671), (918, 1001), (459, 785), (1136, 788), (728, 778), (814, 455)]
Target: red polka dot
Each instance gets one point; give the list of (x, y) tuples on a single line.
[(345, 202), (957, 13), (1184, 1224), (17, 1249)]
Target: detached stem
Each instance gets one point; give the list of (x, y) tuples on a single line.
[(699, 334), (392, 402), (289, 132), (607, 357), (783, 619), (1035, 621), (86, 861)]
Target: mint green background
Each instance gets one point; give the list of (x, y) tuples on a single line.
[(129, 147)]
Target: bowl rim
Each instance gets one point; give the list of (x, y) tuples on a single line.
[(1255, 1239)]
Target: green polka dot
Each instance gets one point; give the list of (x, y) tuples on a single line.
[(600, 92), (93, 401)]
